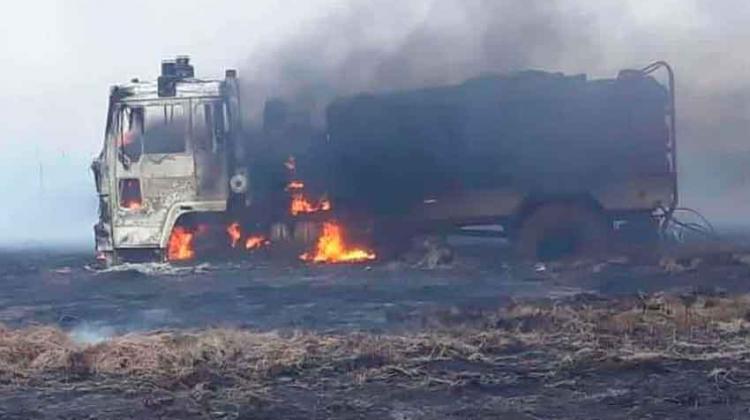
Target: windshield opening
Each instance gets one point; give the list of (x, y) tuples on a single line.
[(158, 129), (165, 129)]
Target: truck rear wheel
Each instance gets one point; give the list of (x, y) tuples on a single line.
[(560, 231)]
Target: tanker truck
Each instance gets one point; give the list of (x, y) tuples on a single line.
[(566, 166), (171, 152), (561, 164)]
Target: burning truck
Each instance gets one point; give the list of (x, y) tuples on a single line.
[(559, 164)]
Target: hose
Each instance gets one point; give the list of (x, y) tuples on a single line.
[(671, 227)]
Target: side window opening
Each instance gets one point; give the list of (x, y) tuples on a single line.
[(164, 129), (202, 132), (130, 193), (208, 128), (220, 125), (130, 136)]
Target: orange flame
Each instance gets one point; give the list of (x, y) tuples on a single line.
[(133, 204), (127, 138), (251, 242), (301, 205), (331, 248), (180, 245), (254, 242), (234, 233)]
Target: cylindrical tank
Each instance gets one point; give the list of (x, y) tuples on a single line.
[(529, 130)]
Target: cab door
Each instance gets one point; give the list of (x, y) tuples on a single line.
[(208, 140), (154, 170)]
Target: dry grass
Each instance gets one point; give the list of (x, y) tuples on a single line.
[(558, 335), (33, 349)]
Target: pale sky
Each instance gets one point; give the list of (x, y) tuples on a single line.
[(58, 59)]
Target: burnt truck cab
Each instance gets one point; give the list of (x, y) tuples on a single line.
[(168, 152)]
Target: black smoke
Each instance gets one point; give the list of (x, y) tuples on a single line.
[(386, 45), (389, 45)]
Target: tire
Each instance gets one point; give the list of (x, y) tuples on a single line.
[(563, 231)]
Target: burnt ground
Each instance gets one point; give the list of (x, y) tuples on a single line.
[(256, 292), (570, 372)]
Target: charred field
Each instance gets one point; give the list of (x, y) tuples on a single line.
[(479, 338)]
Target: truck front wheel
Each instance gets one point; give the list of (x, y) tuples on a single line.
[(563, 231)]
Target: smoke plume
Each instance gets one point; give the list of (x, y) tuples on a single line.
[(387, 45), (376, 46)]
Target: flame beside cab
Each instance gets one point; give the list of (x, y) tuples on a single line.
[(332, 248), (133, 204), (301, 205), (251, 242), (180, 247), (256, 241), (235, 234)]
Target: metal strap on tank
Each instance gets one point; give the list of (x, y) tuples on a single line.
[(673, 126)]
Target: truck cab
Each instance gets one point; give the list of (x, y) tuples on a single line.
[(168, 151)]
